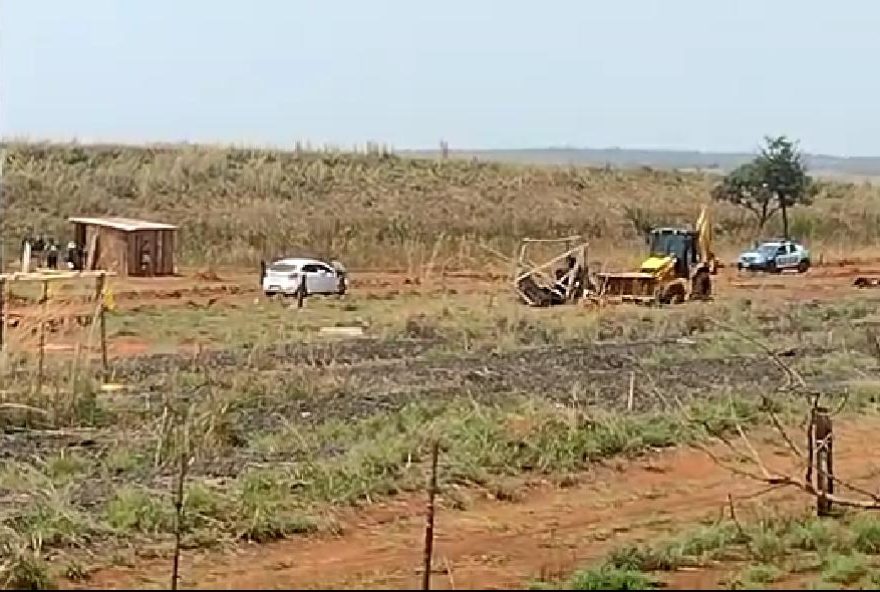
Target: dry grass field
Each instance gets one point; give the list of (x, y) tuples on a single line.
[(569, 433), (377, 210)]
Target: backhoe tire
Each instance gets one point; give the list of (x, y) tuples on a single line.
[(673, 294), (701, 288)]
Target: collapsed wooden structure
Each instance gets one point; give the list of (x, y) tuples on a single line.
[(537, 285)]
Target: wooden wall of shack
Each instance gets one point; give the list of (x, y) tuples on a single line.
[(159, 243), (121, 251)]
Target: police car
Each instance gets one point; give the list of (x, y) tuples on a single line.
[(775, 256)]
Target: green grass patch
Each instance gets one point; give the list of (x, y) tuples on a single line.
[(761, 573), (611, 578), (385, 453), (52, 520), (134, 509), (27, 570), (266, 508), (844, 569), (866, 534), (774, 547)]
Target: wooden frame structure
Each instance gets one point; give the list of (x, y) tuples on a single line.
[(126, 246), (45, 278), (525, 271)]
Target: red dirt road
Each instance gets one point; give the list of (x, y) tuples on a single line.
[(504, 545), (235, 286), (235, 289)]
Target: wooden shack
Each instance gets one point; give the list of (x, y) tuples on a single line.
[(125, 246)]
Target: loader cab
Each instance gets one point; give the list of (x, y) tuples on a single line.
[(677, 242)]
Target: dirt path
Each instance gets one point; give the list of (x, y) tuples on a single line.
[(493, 544), (65, 320)]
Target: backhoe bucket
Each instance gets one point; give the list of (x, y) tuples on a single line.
[(634, 286)]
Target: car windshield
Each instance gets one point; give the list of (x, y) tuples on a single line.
[(282, 267), (768, 249)]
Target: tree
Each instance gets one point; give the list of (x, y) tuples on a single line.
[(744, 187), (774, 181)]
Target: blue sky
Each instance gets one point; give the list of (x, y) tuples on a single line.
[(688, 74)]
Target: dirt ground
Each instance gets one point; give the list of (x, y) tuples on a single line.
[(235, 288), (547, 532), (236, 285)]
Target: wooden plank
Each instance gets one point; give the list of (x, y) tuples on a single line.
[(44, 301), (3, 319), (91, 251), (49, 276), (99, 296), (566, 239), (551, 262)]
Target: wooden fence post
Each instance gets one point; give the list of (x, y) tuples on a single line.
[(178, 514), (102, 324), (429, 518), (44, 299), (824, 460), (3, 319), (301, 293)]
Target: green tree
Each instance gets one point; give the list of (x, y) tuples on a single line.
[(774, 181)]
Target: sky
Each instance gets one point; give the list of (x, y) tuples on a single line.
[(492, 74)]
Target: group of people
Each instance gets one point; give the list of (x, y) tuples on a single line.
[(46, 252)]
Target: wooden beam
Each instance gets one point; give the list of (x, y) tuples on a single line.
[(566, 239), (91, 252), (549, 263), (102, 320), (49, 276), (3, 319)]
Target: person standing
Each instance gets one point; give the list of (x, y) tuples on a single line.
[(72, 256), (27, 249), (52, 255), (341, 274), (37, 249)]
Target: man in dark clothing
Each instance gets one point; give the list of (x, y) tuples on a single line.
[(72, 256), (52, 255), (37, 248)]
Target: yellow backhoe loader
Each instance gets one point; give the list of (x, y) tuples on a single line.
[(679, 268)]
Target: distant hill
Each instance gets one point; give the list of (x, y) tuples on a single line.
[(820, 164)]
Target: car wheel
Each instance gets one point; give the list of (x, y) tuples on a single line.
[(270, 294), (803, 266), (771, 267)]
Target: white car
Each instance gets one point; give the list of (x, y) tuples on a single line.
[(285, 276)]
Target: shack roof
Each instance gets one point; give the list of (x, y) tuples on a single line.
[(124, 224)]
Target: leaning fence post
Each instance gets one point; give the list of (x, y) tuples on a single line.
[(44, 299), (102, 323), (178, 504), (824, 461), (429, 518), (2, 313), (301, 293)]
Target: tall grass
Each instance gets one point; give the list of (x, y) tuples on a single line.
[(376, 209)]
